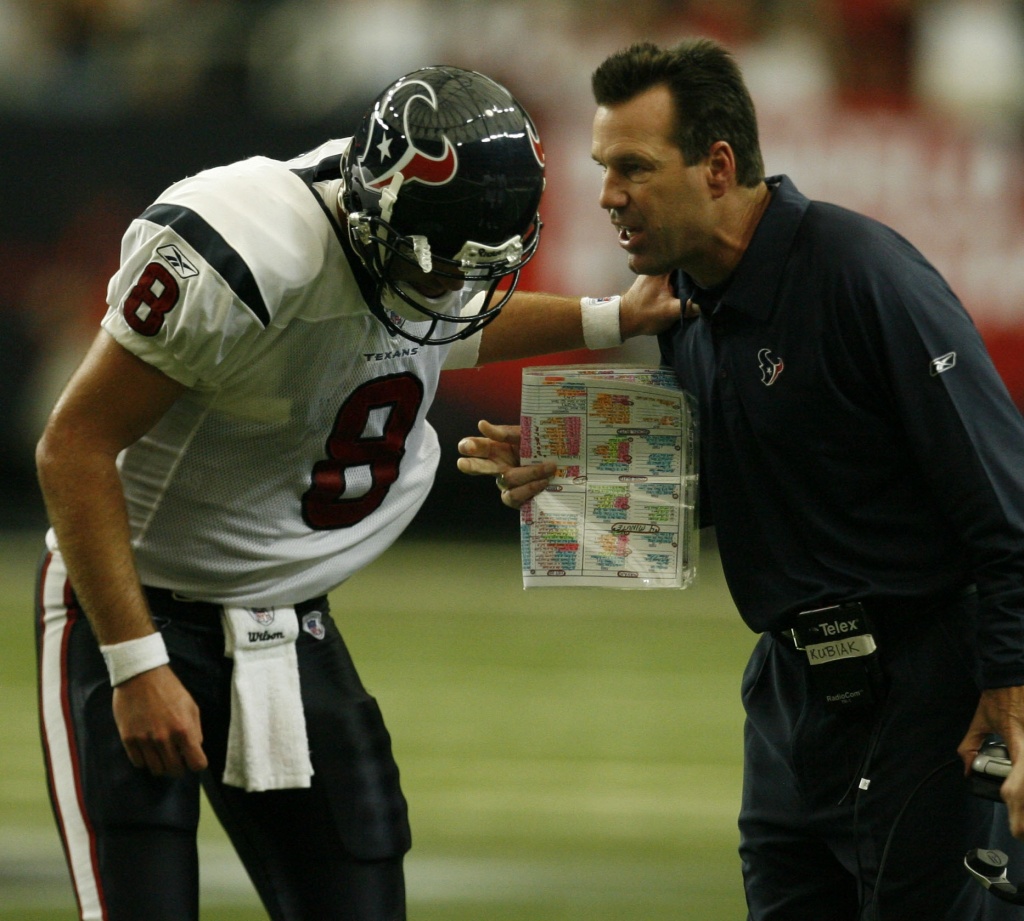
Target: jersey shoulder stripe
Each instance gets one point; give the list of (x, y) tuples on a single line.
[(215, 250)]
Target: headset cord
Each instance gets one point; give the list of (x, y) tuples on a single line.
[(859, 784), (892, 831)]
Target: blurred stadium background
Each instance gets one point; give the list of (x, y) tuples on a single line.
[(572, 753)]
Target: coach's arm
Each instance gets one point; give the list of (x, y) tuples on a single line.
[(533, 324)]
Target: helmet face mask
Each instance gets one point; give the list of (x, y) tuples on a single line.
[(445, 174)]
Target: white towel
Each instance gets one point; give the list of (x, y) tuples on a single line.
[(267, 744)]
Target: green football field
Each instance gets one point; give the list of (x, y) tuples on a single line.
[(567, 753)]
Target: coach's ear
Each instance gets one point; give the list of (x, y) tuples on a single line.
[(720, 168)]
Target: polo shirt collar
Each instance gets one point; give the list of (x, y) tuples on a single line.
[(752, 286)]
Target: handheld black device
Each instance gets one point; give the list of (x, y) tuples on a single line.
[(987, 865), (991, 766)]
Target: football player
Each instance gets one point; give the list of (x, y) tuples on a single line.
[(248, 430)]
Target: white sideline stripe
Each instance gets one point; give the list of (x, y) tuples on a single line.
[(595, 806), (34, 877), (56, 731)]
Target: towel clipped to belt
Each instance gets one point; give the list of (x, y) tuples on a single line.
[(267, 744)]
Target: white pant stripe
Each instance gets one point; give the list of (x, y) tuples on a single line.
[(58, 739)]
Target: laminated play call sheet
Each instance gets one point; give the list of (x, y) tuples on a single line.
[(620, 511)]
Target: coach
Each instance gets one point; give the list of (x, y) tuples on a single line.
[(864, 468)]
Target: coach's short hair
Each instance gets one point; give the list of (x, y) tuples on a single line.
[(711, 99)]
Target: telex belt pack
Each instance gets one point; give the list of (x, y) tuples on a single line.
[(842, 647)]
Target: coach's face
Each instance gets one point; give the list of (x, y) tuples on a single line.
[(661, 207)]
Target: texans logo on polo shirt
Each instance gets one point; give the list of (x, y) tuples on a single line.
[(771, 367)]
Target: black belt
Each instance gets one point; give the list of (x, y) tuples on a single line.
[(172, 604), (892, 606)]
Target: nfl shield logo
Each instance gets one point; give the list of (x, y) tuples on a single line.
[(263, 616), (313, 625)]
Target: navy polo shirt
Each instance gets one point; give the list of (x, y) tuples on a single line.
[(856, 440)]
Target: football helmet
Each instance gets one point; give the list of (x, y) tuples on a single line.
[(444, 174)]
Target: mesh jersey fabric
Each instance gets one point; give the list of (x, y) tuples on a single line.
[(301, 449)]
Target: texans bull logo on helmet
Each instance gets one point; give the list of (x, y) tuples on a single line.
[(387, 153), (445, 173), (380, 160)]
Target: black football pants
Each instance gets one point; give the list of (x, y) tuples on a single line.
[(332, 852), (866, 817)]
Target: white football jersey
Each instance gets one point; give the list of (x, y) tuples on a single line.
[(301, 449)]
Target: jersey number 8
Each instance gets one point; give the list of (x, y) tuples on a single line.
[(369, 432)]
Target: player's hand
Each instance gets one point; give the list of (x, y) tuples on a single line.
[(1001, 711), (496, 454), (649, 307), (159, 723)]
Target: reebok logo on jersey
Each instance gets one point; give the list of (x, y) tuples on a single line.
[(942, 364), (175, 258), (771, 367)]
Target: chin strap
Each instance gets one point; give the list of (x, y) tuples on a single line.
[(389, 197), (388, 200)]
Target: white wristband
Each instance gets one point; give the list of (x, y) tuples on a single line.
[(600, 317), (133, 657)]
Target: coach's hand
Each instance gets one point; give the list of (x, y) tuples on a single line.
[(650, 306), (496, 454), (1001, 711), (159, 723)]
